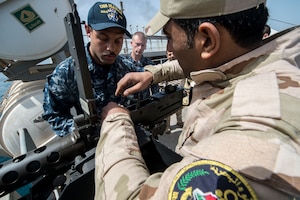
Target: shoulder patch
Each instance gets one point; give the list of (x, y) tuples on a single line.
[(209, 180)]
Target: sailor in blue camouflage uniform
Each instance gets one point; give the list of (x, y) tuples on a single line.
[(139, 61), (106, 27)]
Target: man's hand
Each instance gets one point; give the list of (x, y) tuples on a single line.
[(133, 82), (112, 108)]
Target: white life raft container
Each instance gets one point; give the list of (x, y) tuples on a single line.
[(32, 29)]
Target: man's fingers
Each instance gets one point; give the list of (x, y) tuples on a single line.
[(135, 88), (133, 82), (122, 85)]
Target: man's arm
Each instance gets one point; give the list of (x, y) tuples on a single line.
[(118, 131), (60, 95), (121, 171), (167, 71), (138, 81)]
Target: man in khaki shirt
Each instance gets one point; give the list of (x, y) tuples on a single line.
[(241, 137)]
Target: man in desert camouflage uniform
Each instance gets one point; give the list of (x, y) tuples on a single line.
[(241, 137)]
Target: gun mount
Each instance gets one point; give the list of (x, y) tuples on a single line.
[(152, 112)]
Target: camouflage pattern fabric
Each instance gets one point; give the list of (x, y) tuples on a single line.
[(140, 68), (61, 92), (166, 71), (245, 117), (141, 63)]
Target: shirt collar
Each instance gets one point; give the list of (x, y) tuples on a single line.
[(219, 73)]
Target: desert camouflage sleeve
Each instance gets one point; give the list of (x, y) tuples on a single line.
[(120, 172), (165, 72)]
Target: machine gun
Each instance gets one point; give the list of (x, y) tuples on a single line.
[(65, 169)]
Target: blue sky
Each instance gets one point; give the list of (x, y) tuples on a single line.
[(283, 13)]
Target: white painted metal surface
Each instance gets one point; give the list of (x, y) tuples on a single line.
[(22, 109), (32, 29)]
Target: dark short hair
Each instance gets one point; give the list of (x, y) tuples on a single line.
[(245, 27)]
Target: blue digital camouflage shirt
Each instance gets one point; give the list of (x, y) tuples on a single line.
[(61, 92), (140, 68)]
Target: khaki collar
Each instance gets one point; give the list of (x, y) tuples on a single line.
[(219, 73)]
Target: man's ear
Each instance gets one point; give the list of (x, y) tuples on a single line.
[(210, 39), (88, 30)]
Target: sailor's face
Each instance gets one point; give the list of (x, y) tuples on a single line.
[(188, 58), (106, 45), (138, 45)]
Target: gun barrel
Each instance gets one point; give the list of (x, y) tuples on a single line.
[(24, 169)]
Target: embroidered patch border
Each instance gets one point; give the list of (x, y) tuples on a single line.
[(207, 179)]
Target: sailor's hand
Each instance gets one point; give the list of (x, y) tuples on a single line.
[(133, 82), (112, 108)]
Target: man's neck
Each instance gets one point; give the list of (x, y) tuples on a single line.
[(136, 57)]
